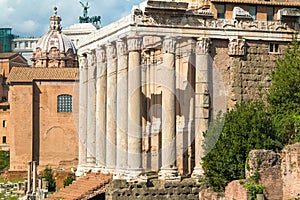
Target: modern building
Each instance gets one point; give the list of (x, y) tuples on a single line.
[(6, 38), (43, 102), (151, 82)]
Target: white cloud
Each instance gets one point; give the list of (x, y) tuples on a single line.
[(31, 17)]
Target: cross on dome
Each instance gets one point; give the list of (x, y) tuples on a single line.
[(55, 21)]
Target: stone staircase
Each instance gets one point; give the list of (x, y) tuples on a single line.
[(86, 187)]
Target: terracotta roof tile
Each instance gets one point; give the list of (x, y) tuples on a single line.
[(28, 74), (89, 186), (7, 55)]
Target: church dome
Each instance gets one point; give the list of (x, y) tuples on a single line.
[(54, 49)]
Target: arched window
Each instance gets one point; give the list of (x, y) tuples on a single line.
[(64, 103)]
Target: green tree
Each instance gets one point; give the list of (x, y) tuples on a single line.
[(284, 95), (48, 176), (69, 180), (248, 126)]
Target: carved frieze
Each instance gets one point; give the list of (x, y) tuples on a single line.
[(236, 47), (196, 19), (203, 46), (169, 45)]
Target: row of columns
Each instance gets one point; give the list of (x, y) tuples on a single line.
[(110, 116)]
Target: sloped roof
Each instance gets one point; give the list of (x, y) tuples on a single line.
[(28, 74), (86, 187), (8, 55)]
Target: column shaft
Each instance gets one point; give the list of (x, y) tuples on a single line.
[(34, 176), (122, 107), (134, 107), (167, 81), (91, 110), (29, 178), (101, 108), (82, 113), (201, 100), (111, 108)]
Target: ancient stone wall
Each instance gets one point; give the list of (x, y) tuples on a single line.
[(153, 189), (267, 164), (291, 171), (234, 190)]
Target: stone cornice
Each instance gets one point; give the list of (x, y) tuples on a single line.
[(274, 3)]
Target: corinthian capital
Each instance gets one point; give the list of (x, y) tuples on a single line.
[(91, 56), (134, 43), (121, 47), (101, 54), (203, 46), (236, 47), (169, 45), (111, 52), (83, 61)]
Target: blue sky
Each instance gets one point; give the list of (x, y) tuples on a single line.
[(31, 17)]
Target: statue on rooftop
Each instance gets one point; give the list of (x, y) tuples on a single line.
[(85, 18), (85, 9)]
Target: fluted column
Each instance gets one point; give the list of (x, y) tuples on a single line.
[(134, 108), (111, 107), (201, 100), (91, 110), (168, 170), (101, 108), (122, 109), (82, 129)]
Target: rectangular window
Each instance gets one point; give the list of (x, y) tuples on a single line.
[(220, 11), (273, 48), (64, 103), (4, 123), (26, 44), (270, 13), (253, 12), (4, 140)]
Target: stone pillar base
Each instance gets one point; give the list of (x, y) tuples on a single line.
[(108, 170), (198, 171), (120, 174), (80, 171), (136, 175), (170, 174)]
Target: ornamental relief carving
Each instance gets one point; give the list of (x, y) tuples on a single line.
[(134, 44), (121, 48), (83, 62), (203, 46), (101, 54), (111, 52), (196, 20), (236, 47), (169, 45)]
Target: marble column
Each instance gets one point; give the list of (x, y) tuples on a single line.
[(134, 108), (82, 129), (91, 110), (111, 108), (168, 169), (201, 100), (101, 108), (122, 109), (34, 176), (29, 170)]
